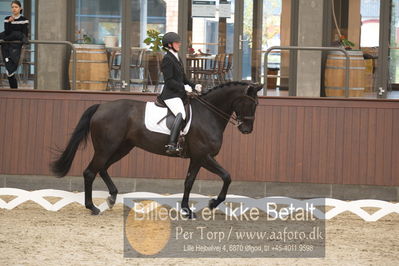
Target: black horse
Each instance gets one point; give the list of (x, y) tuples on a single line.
[(117, 127)]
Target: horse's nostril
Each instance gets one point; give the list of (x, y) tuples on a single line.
[(246, 131)]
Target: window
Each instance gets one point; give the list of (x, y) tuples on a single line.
[(96, 19), (370, 27), (394, 44)]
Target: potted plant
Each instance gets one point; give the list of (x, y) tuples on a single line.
[(154, 57), (344, 42), (83, 37), (154, 40)]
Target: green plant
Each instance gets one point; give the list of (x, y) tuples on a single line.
[(87, 39), (83, 37), (154, 39), (345, 42)]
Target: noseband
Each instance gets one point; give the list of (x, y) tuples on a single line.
[(233, 119)]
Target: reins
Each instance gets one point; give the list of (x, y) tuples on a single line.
[(229, 118), (233, 118)]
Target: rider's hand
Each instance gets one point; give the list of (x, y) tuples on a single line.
[(198, 88), (11, 19), (188, 88)]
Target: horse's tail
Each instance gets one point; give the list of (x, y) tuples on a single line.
[(61, 166)]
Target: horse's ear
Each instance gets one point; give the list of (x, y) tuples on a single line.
[(254, 88)]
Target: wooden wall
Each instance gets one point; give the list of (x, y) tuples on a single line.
[(294, 140)]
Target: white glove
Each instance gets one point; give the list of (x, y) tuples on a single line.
[(188, 88), (198, 88)]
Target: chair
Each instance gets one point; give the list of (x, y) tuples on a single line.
[(195, 66), (137, 67), (154, 70), (20, 63), (2, 64), (27, 62), (215, 73), (114, 67), (219, 69), (227, 75), (148, 68)]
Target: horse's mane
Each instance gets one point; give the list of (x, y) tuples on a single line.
[(231, 83)]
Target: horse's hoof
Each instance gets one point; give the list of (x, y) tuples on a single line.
[(111, 201), (213, 203), (94, 210), (189, 214)]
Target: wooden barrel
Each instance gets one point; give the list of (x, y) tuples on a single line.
[(335, 74), (272, 81), (91, 67)]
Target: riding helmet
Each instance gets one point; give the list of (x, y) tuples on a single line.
[(169, 38)]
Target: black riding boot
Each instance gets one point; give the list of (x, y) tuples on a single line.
[(172, 148)]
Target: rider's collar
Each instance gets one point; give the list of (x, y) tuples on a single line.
[(175, 54), (16, 17)]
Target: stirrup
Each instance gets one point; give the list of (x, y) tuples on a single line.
[(172, 149)]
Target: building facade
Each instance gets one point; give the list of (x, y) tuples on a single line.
[(243, 28)]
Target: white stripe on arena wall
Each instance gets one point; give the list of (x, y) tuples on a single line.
[(338, 206)]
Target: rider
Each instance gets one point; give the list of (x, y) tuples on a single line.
[(176, 86)]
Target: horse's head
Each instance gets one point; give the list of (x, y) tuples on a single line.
[(245, 106)]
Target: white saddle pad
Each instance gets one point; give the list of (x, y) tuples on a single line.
[(153, 114)]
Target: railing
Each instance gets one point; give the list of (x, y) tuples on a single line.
[(73, 86), (309, 49)]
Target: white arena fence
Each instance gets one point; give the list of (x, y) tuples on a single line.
[(336, 206)]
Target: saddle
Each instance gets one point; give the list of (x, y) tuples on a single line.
[(170, 118)]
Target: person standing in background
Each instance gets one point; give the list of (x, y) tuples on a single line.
[(15, 29)]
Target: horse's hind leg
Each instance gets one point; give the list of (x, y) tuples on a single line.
[(113, 191), (213, 166)]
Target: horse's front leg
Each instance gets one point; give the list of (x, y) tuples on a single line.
[(193, 170), (213, 166)]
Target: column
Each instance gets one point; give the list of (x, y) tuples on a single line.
[(52, 62), (354, 23), (310, 33), (285, 40)]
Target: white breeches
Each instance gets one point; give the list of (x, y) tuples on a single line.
[(176, 106)]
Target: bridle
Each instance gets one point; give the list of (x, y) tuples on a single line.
[(241, 119), (233, 119)]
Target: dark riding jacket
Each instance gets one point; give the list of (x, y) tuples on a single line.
[(174, 77)]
